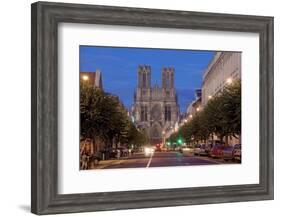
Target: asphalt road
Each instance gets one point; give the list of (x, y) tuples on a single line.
[(159, 159)]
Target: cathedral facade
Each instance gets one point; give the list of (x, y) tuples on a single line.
[(155, 108)]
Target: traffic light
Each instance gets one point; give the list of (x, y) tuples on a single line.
[(179, 141)]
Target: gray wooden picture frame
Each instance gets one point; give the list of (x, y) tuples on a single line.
[(44, 166)]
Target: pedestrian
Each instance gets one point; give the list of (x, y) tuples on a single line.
[(85, 154), (118, 153)]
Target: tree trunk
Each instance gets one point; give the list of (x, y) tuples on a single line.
[(226, 140), (221, 139)]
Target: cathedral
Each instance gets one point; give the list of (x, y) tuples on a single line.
[(155, 108)]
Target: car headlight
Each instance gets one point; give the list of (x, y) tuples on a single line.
[(147, 151)]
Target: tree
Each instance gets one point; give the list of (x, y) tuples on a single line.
[(215, 117), (221, 116), (137, 137), (232, 107), (187, 132), (102, 115)]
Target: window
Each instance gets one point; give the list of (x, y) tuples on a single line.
[(144, 80), (168, 82), (167, 113), (143, 113)]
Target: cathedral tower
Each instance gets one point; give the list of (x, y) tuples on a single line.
[(168, 77), (144, 76)]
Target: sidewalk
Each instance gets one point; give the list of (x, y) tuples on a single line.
[(105, 163)]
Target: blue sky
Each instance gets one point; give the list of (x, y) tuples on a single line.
[(119, 69)]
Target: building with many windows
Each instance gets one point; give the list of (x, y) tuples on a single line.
[(224, 68), (93, 78), (155, 108), (195, 105)]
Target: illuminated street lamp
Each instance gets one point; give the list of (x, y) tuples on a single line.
[(209, 97), (85, 77), (229, 80), (190, 116), (198, 109)]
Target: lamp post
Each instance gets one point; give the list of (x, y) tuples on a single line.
[(85, 77), (229, 80)]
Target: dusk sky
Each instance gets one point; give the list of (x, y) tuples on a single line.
[(119, 69)]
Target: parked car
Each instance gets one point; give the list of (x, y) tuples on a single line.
[(237, 152), (203, 150), (124, 151), (197, 149), (227, 153), (200, 149), (216, 151), (112, 153), (208, 148), (158, 148)]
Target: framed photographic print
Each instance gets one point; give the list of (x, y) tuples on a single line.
[(136, 108)]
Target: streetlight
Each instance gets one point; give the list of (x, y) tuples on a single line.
[(229, 80), (209, 97), (198, 109), (190, 116), (85, 77)]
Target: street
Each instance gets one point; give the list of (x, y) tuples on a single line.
[(159, 159)]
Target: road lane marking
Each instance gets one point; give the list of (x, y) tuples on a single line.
[(148, 163), (209, 160)]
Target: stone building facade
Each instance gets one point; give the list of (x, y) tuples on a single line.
[(155, 108), (195, 105), (92, 78), (224, 68)]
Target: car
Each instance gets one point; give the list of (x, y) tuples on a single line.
[(188, 150), (216, 151), (113, 153), (203, 150), (124, 152), (149, 151), (208, 148), (227, 153), (200, 149), (237, 152), (158, 148), (197, 149)]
